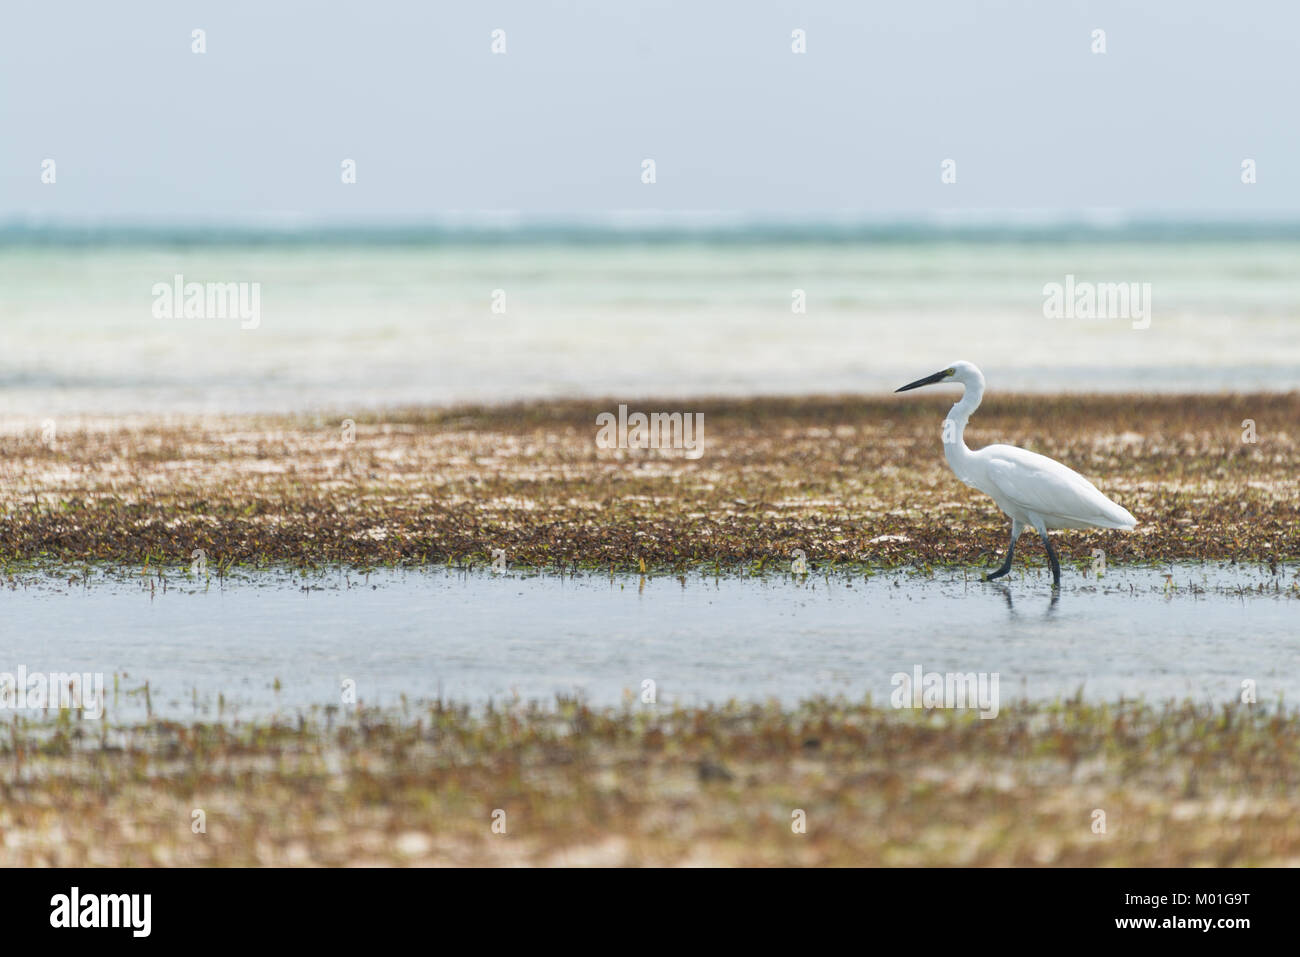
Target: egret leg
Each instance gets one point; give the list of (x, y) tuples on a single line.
[(1051, 557), (1011, 551)]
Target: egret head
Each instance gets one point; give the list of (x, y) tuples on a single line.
[(966, 373)]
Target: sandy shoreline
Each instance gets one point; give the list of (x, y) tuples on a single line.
[(845, 479)]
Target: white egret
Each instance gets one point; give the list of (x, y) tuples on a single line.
[(1030, 488)]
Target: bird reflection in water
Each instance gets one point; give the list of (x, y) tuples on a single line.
[(1011, 607)]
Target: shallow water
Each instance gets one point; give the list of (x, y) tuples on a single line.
[(357, 327), (472, 637)]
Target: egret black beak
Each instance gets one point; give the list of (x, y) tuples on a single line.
[(928, 380)]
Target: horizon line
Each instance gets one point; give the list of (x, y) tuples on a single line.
[(656, 224)]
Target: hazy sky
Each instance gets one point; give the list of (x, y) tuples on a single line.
[(141, 127)]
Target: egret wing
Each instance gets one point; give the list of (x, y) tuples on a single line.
[(1045, 487)]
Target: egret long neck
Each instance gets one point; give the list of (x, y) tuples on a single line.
[(954, 430)]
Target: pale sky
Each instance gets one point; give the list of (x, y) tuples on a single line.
[(140, 127)]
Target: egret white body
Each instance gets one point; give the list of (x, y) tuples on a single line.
[(1031, 489)]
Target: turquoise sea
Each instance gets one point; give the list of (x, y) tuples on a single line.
[(365, 318)]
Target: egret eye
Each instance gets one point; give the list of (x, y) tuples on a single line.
[(952, 372)]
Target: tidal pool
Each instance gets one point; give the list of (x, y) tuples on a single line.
[(280, 643)]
